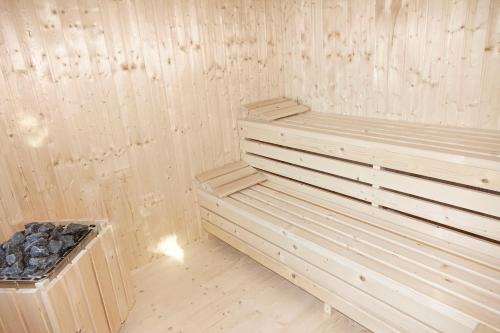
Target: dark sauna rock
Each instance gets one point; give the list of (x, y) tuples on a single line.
[(2, 253), (18, 237), (14, 242), (30, 271), (57, 232), (39, 251), (36, 250), (14, 249), (31, 228), (55, 246), (38, 262), (13, 258), (75, 229), (15, 269), (26, 259), (51, 260), (35, 237), (68, 241), (46, 227), (10, 259), (36, 242)]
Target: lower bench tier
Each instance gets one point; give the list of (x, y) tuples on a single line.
[(378, 287), (273, 258)]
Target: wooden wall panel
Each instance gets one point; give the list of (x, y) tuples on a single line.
[(417, 60), (109, 108)]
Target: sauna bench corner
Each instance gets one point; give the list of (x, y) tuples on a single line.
[(394, 224)]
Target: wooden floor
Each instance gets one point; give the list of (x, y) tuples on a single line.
[(218, 289)]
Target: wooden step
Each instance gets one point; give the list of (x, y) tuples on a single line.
[(230, 178), (273, 109)]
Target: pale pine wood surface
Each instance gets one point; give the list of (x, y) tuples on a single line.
[(219, 289), (423, 61), (109, 108)]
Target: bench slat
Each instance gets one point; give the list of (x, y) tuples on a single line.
[(473, 172), (450, 241), (266, 102), (282, 113), (465, 139), (217, 172), (457, 131), (361, 307), (491, 149), (477, 276), (396, 223), (239, 184), (484, 160), (354, 269), (463, 197), (230, 177), (256, 112), (422, 208), (472, 302)]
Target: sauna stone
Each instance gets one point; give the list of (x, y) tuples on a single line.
[(35, 250), (55, 246)]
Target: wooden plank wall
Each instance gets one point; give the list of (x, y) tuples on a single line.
[(433, 61), (109, 108)]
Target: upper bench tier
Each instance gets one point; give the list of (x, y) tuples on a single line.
[(446, 175), (461, 155)]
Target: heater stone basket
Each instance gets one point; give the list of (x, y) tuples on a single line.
[(89, 291)]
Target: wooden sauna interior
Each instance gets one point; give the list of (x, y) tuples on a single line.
[(110, 108)]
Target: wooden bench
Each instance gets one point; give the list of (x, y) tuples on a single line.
[(394, 224)]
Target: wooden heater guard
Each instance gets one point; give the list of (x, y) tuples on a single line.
[(91, 293)]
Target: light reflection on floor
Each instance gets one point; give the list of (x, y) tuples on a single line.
[(169, 247)]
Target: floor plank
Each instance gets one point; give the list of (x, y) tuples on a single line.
[(215, 288)]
